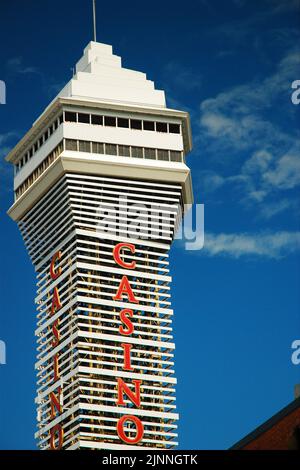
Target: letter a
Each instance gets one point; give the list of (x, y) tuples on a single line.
[(56, 305), (125, 289)]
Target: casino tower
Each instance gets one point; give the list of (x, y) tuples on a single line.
[(100, 186)]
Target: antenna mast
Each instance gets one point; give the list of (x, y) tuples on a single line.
[(94, 20)]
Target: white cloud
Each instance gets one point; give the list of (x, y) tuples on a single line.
[(270, 209), (269, 245), (280, 6), (179, 76), (239, 116), (16, 65), (286, 174), (258, 162), (7, 140), (6, 137), (210, 181), (245, 129)]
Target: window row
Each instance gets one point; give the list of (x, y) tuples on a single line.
[(38, 143), (99, 120), (130, 123), (100, 148), (124, 150), (39, 170)]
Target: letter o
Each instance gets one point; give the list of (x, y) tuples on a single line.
[(139, 429), (56, 430)]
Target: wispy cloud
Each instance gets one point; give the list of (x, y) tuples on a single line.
[(268, 245), (179, 76), (16, 66), (239, 115), (7, 141), (280, 6), (239, 129), (270, 209), (273, 6)]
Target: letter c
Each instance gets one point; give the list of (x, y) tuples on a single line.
[(117, 255)]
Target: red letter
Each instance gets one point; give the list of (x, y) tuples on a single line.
[(125, 289), (55, 402), (55, 367), (56, 333), (117, 258), (135, 396), (53, 273), (126, 312), (56, 305), (57, 429), (139, 429), (127, 361)]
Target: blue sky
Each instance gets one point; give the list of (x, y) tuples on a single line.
[(236, 302)]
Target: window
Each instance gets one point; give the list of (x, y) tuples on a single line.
[(85, 118), (31, 152), (97, 147), (55, 125), (174, 128), (97, 120), (70, 117), (123, 122), (71, 144), (84, 146), (150, 153), (135, 124), (110, 149), (163, 155), (124, 150), (149, 126), (162, 127), (60, 119), (50, 130), (46, 136), (175, 156), (109, 121), (137, 152), (41, 141), (36, 146)]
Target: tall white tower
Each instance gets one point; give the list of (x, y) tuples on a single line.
[(100, 183)]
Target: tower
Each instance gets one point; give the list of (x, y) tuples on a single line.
[(100, 185)]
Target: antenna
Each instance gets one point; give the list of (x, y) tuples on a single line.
[(94, 20)]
